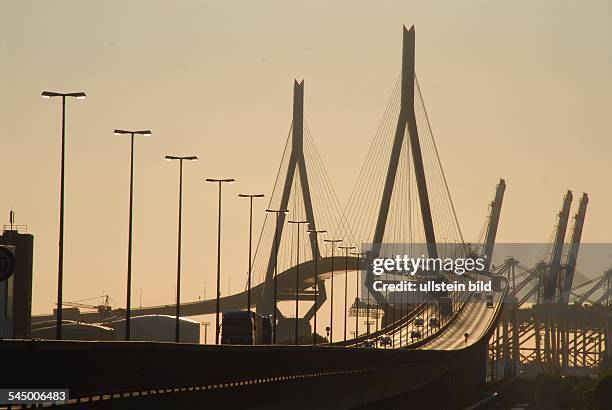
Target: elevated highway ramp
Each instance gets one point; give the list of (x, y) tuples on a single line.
[(443, 370)]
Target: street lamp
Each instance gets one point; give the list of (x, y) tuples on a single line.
[(60, 263), (250, 196), (297, 276), (278, 212), (180, 217), (360, 255), (129, 261), (314, 233), (219, 182), (346, 254), (331, 309)]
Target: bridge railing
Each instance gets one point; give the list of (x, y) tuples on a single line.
[(389, 328)]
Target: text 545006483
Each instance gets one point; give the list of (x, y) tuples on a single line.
[(32, 396)]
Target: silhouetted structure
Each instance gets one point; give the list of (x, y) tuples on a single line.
[(17, 299), (297, 164)]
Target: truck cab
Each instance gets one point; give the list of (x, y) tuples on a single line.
[(241, 327), (238, 328)]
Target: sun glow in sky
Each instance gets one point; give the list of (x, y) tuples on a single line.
[(519, 90)]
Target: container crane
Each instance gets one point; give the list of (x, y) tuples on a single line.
[(496, 206), (572, 256), (551, 277)]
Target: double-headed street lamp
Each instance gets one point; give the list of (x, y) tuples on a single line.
[(250, 196), (129, 261), (60, 264), (219, 182), (315, 238), (278, 213), (180, 215), (359, 256), (297, 276), (346, 254), (331, 309)]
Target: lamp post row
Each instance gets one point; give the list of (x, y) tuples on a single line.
[(218, 301), (178, 257), (250, 196), (360, 255), (129, 260), (297, 278), (314, 233), (60, 263), (346, 254), (278, 213), (333, 243)]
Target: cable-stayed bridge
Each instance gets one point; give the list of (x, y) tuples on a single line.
[(400, 204)]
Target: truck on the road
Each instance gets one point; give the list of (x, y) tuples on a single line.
[(241, 327)]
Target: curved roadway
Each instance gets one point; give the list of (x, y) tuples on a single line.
[(286, 284)]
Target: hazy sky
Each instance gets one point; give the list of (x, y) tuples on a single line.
[(519, 90)]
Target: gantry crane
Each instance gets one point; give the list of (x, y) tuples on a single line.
[(552, 273), (496, 206), (572, 256)]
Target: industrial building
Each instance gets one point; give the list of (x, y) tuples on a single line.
[(16, 292)]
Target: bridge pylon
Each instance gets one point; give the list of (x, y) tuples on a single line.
[(296, 165), (406, 122)]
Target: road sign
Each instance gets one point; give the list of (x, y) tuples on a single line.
[(7, 263)]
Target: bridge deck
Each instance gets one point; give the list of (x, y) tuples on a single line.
[(286, 284), (269, 376)]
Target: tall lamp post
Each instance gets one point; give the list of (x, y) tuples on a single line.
[(178, 258), (218, 305), (315, 238), (359, 255), (297, 277), (250, 196), (331, 309), (128, 304), (60, 263), (277, 212), (346, 254)]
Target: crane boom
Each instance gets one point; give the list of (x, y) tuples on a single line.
[(104, 307), (586, 295), (551, 278), (496, 206), (572, 257), (535, 276)]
